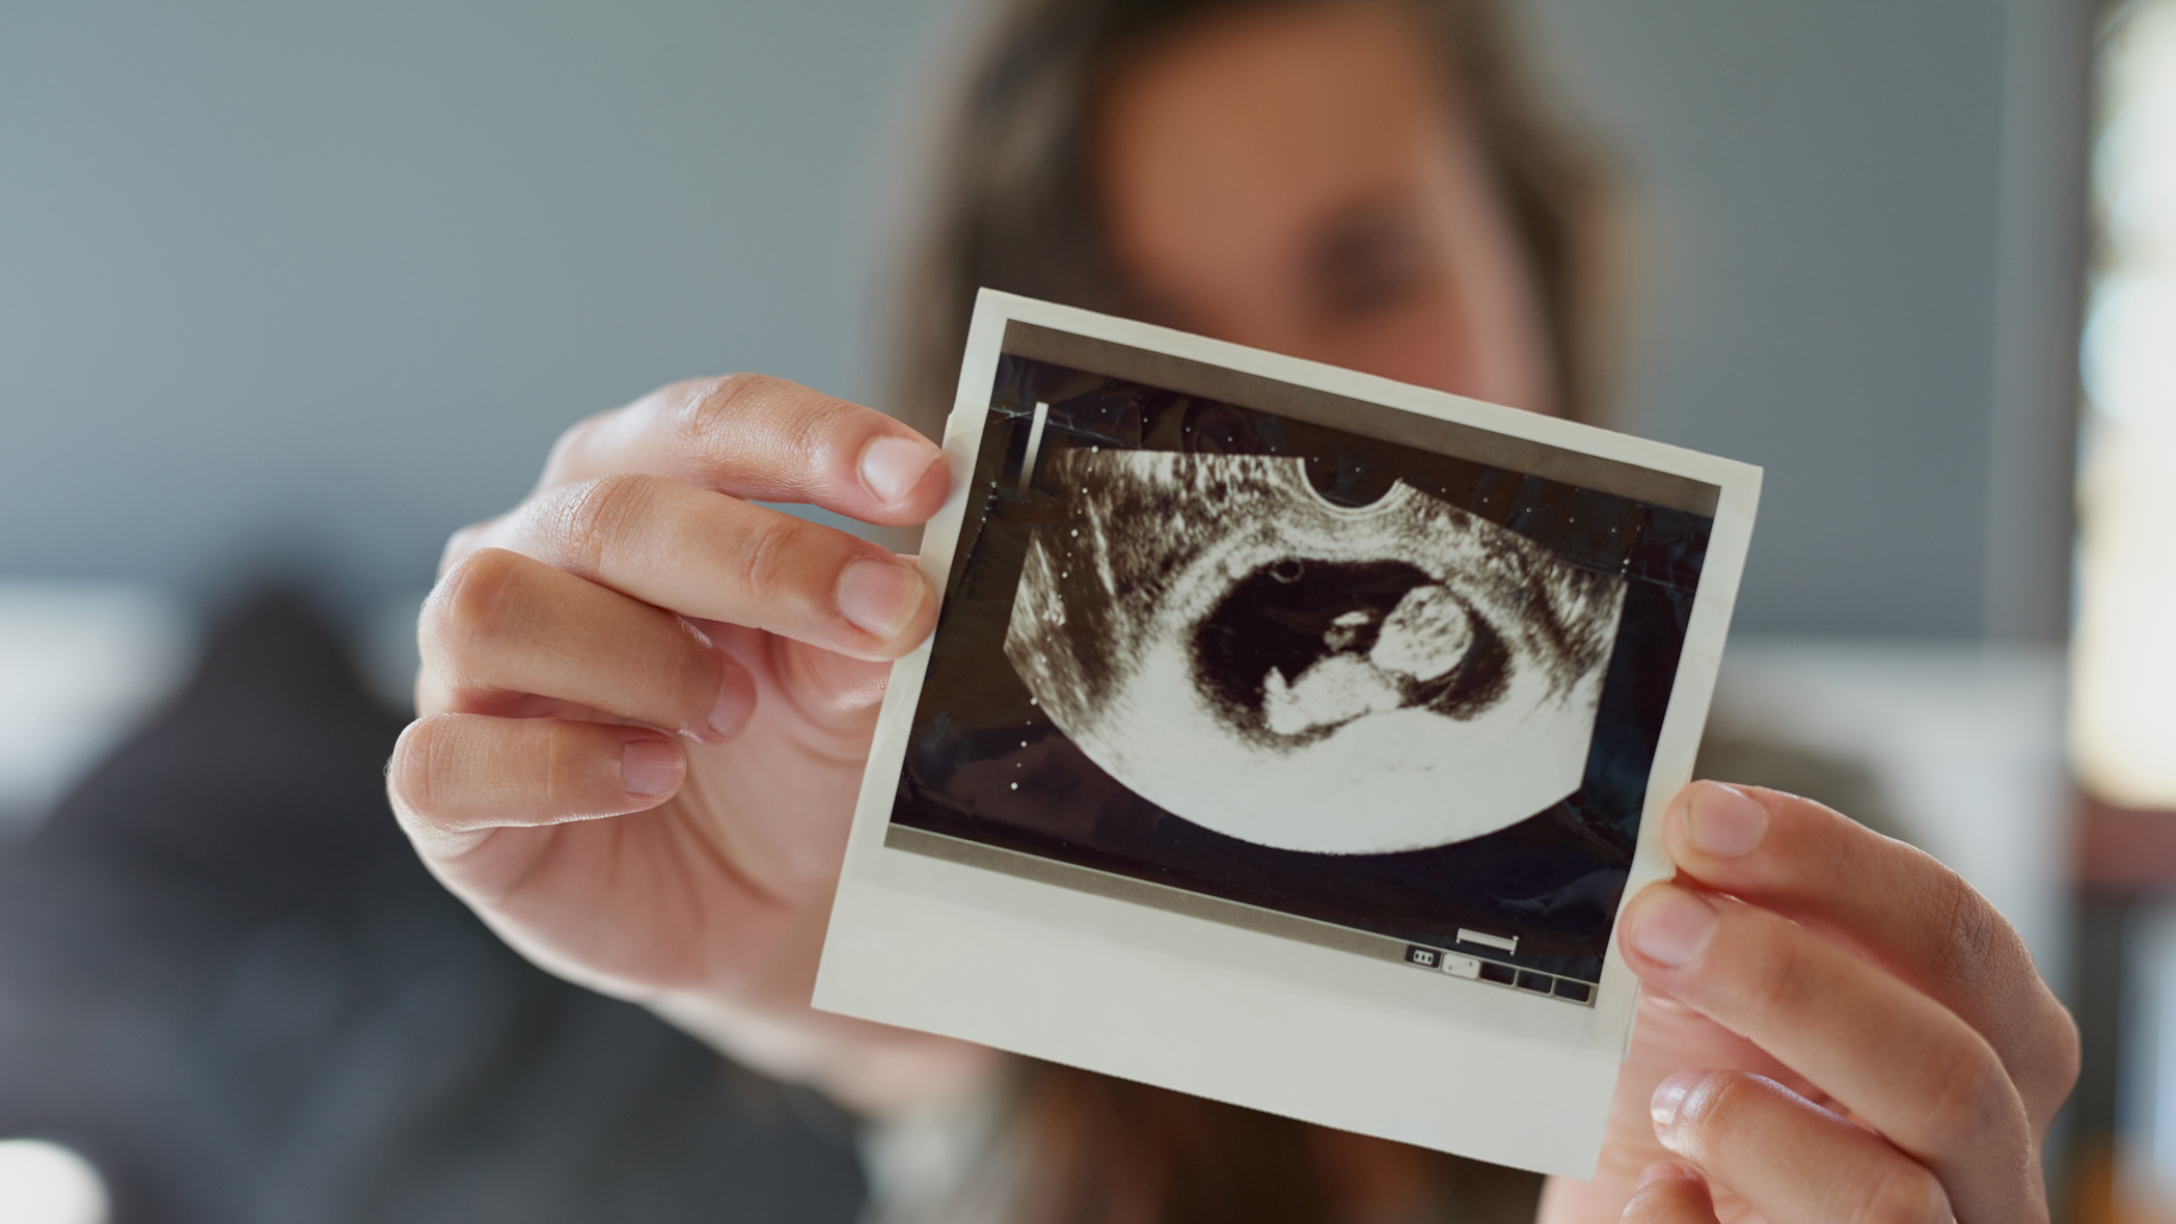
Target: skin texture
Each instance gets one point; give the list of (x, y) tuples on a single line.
[(646, 702)]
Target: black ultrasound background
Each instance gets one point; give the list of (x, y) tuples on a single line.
[(986, 765)]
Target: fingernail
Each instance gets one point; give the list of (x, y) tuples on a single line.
[(650, 767), (736, 701), (879, 597), (1724, 821), (1669, 1097), (1664, 1169), (1673, 927), (893, 467)]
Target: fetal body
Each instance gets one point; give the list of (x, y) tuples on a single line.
[(1247, 655)]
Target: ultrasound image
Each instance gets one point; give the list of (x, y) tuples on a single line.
[(1293, 672)]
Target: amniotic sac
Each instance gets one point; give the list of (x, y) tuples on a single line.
[(1254, 658)]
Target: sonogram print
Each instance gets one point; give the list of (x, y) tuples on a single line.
[(1299, 674)]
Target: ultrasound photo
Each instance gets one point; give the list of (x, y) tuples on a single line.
[(1251, 654), (1286, 735), (1247, 654)]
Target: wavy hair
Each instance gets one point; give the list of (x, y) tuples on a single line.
[(1014, 205)]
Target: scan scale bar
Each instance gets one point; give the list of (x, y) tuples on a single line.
[(1035, 445), (1507, 943)]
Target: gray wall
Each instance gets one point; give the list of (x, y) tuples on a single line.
[(331, 277), (1866, 224)]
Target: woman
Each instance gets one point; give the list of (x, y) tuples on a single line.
[(647, 701)]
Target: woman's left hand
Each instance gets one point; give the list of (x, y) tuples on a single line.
[(1835, 1028)]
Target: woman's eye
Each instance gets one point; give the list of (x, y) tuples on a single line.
[(1365, 260)]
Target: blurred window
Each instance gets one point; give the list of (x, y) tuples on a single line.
[(2123, 713), (2123, 722)]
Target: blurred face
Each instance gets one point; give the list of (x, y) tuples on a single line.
[(1299, 180)]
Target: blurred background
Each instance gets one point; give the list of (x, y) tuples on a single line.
[(289, 292)]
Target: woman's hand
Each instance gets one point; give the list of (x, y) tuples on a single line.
[(1836, 1028), (646, 704)]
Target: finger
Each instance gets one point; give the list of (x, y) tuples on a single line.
[(502, 626), (1890, 901), (710, 557), (1899, 1060), (454, 778), (829, 689), (766, 439), (1795, 1162), (1669, 1194)]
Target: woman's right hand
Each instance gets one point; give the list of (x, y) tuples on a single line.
[(646, 703)]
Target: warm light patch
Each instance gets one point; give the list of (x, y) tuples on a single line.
[(2123, 723)]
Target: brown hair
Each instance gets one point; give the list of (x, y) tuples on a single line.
[(1015, 209), (1015, 204), (1092, 1149)]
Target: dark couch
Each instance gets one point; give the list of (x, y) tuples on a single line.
[(226, 979)]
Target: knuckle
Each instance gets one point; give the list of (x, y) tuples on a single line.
[(1780, 978), (592, 518), (746, 414), (1972, 1097), (1972, 932), (475, 602), (709, 408), (1904, 1193), (768, 550), (418, 772), (560, 774)]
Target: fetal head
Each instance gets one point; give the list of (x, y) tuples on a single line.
[(1425, 636), (1301, 646)]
